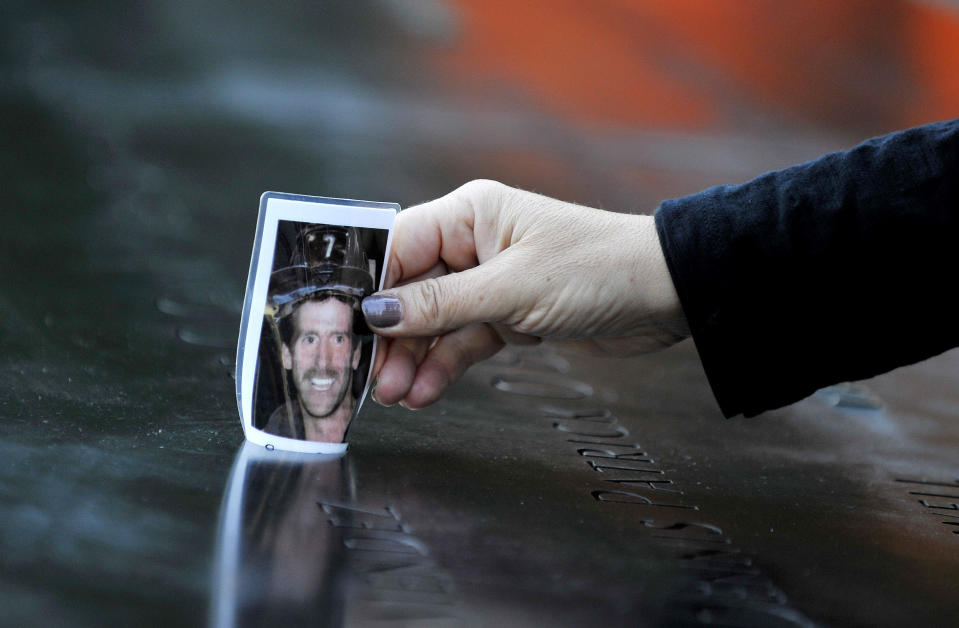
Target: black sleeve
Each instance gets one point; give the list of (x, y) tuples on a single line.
[(833, 270)]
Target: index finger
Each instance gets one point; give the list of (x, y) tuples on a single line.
[(443, 230)]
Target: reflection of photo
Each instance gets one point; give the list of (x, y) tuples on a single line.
[(279, 559), (315, 348)]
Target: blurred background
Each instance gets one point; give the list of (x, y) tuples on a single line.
[(164, 120), (138, 137), (177, 115)]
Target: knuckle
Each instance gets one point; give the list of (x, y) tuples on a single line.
[(461, 357), (443, 377), (526, 328), (482, 192), (481, 187), (530, 322), (432, 299)]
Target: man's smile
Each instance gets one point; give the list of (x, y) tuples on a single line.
[(321, 383)]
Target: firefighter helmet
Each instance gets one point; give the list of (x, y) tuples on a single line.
[(326, 259)]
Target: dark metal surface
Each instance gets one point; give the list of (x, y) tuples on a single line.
[(546, 489)]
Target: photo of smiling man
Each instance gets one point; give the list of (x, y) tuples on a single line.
[(316, 348)]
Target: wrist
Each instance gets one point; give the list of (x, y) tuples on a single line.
[(654, 286)]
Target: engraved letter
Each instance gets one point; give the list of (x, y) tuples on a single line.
[(629, 497)]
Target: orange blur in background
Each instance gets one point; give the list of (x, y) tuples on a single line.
[(858, 65)]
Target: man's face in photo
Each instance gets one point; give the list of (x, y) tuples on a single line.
[(321, 355)]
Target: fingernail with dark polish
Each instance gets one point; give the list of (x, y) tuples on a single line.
[(382, 311)]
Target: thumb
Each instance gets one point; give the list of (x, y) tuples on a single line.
[(439, 304)]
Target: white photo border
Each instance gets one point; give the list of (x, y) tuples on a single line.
[(274, 207)]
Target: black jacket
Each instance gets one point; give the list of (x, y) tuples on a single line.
[(833, 270)]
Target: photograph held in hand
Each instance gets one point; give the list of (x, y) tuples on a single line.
[(303, 371)]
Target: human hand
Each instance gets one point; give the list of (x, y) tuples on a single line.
[(488, 265)]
